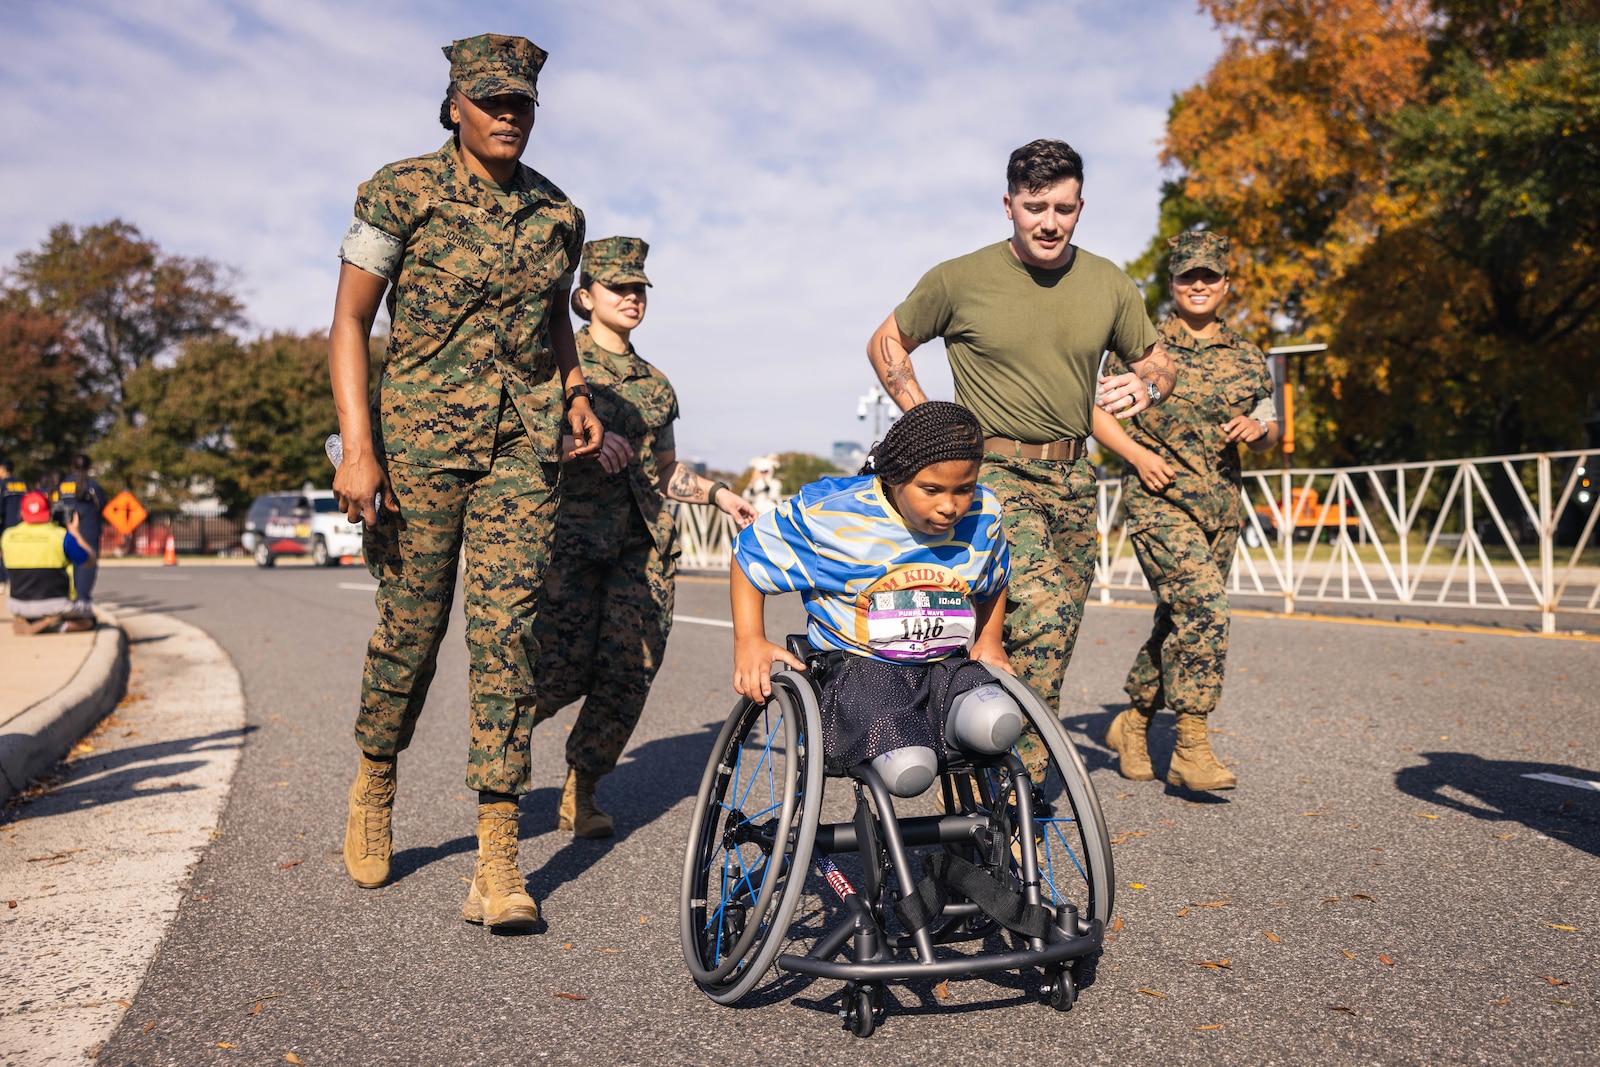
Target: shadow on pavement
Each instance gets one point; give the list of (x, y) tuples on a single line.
[(656, 776), (97, 780), (1502, 794)]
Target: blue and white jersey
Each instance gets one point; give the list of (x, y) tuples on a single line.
[(871, 584)]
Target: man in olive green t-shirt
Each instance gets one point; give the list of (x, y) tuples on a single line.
[(1025, 322)]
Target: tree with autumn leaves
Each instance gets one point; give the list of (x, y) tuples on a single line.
[(110, 345), (1417, 184)]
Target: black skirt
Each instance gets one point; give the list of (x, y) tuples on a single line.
[(870, 706)]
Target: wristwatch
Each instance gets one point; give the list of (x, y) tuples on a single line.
[(1263, 424), (579, 390), (1154, 391), (716, 487)]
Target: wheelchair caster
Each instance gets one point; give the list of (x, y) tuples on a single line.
[(861, 1010), (1060, 991)]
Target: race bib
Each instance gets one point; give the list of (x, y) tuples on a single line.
[(912, 625)]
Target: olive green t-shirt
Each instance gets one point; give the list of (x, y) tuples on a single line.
[(1024, 343)]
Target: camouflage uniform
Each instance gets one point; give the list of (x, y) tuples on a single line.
[(1185, 536), (468, 420), (606, 609)]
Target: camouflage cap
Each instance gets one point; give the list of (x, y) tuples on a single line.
[(616, 259), (1194, 249), (492, 64)]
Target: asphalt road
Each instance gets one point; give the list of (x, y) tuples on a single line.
[(1384, 887)]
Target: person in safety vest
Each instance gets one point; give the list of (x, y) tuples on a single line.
[(38, 555), (11, 490)]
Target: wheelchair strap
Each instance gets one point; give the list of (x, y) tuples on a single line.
[(993, 897)]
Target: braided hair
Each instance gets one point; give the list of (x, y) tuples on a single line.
[(933, 432)]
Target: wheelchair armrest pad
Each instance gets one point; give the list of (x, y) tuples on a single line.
[(799, 647)]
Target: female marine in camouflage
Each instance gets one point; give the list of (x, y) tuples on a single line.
[(607, 604), (1181, 496), (476, 253)]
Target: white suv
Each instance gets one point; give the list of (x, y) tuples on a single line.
[(307, 523)]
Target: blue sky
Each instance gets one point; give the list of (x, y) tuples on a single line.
[(795, 167)]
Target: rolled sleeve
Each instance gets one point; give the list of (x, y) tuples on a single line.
[(1265, 410), (372, 250)]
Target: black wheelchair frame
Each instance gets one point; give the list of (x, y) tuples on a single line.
[(757, 831)]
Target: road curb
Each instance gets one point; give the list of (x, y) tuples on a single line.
[(33, 741)]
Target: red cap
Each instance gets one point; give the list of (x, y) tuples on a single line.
[(35, 508)]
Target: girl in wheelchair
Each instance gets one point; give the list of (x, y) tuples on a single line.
[(901, 568)]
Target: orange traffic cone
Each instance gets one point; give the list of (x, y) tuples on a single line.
[(170, 557)]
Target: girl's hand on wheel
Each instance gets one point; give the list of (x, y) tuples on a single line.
[(752, 667), (991, 655)]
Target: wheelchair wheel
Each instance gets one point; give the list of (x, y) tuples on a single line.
[(1069, 828), (755, 821)]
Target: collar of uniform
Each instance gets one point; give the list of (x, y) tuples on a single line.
[(1174, 334), (619, 365), (461, 185)]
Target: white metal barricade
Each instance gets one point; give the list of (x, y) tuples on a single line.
[(1429, 533)]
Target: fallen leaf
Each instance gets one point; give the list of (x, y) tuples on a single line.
[(1270, 936), (1553, 981), (291, 863), (1218, 965), (567, 947), (613, 950), (11, 903), (149, 1026), (257, 1009), (1136, 885), (224, 1044), (1563, 1003), (568, 996), (1330, 900), (1385, 960), (124, 1003), (1211, 1026), (1348, 955), (1170, 822), (1558, 926), (1311, 814), (1185, 911), (1340, 1007), (942, 990), (1116, 925), (643, 919), (291, 1057), (1213, 904), (1503, 1000), (1361, 896), (1502, 837), (1420, 815), (1153, 993)]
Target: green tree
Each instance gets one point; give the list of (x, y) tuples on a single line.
[(231, 418), (125, 301)]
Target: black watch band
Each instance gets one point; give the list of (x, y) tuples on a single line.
[(579, 390), (716, 487)]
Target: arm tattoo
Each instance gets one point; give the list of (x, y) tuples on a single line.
[(898, 377), (684, 485), (1156, 366)]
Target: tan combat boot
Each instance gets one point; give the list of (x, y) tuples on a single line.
[(497, 898), (1194, 765), (368, 844), (1128, 736), (578, 811)]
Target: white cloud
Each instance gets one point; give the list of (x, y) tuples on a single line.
[(795, 167)]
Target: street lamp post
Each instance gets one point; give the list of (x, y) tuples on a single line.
[(1283, 352), (882, 407)]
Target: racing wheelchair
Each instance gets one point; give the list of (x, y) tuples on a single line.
[(1016, 865)]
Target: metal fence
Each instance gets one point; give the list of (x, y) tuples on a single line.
[(1498, 533), (204, 533)]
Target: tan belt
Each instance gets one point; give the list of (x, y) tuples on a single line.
[(1068, 450)]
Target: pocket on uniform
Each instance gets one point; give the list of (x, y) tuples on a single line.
[(447, 284)]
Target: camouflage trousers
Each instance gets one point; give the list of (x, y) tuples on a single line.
[(1181, 665), (502, 521), (1048, 510), (603, 626)]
